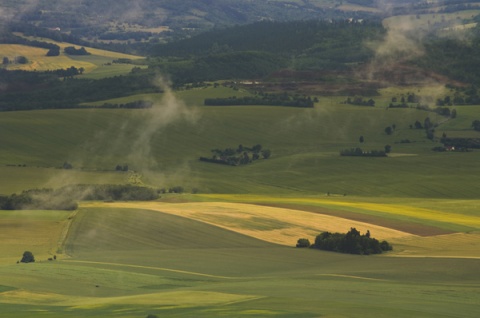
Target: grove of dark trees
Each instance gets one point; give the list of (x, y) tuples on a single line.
[(353, 242)]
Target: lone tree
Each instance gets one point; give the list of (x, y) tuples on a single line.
[(27, 257)]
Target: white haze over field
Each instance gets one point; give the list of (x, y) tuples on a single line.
[(169, 110), (136, 134)]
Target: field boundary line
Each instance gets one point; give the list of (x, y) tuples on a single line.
[(62, 240), (355, 277), (151, 267)]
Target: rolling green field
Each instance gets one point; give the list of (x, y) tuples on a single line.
[(131, 263), (163, 145), (228, 248)]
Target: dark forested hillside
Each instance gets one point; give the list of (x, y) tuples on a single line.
[(255, 50), (94, 19), (294, 37), (459, 60)]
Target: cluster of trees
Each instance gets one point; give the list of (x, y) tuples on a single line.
[(476, 124), (390, 129), (460, 144), (66, 198), (174, 189), (353, 242), (71, 50), (264, 99), (403, 102), (20, 59), (240, 156), (68, 72), (360, 101), (139, 104), (121, 168), (38, 199), (111, 192), (465, 95), (126, 35), (358, 152)]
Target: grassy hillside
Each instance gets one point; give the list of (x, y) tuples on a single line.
[(135, 262), (163, 145)]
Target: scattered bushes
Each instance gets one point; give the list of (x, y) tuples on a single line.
[(359, 101), (358, 152)]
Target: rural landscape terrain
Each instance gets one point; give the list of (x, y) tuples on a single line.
[(235, 158)]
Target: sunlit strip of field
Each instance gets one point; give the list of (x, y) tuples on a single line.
[(93, 51), (405, 210), (173, 299), (38, 61), (276, 225), (456, 245)]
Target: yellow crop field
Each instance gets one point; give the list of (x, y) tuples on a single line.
[(38, 60), (276, 225), (415, 212), (458, 245)]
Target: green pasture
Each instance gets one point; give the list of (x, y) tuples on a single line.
[(163, 144), (131, 263)]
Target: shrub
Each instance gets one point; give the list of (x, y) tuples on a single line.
[(303, 242), (27, 257)]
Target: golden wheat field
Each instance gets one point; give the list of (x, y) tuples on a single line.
[(285, 226)]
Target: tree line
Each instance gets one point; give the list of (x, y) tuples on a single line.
[(265, 99), (358, 152), (66, 198)]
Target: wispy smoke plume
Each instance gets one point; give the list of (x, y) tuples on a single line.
[(169, 110), (131, 142)]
